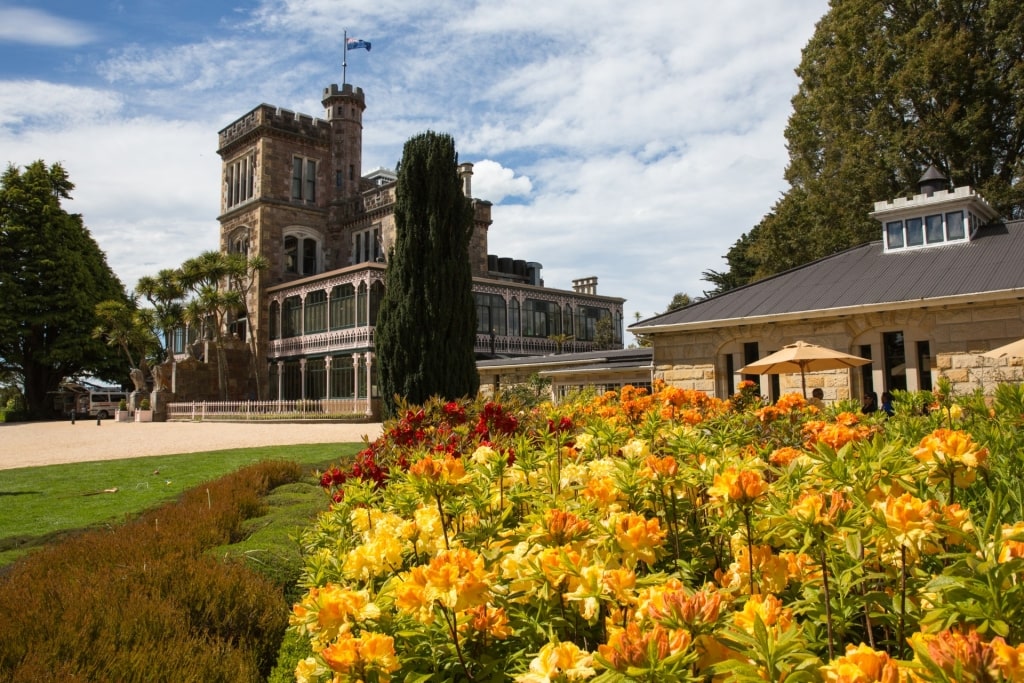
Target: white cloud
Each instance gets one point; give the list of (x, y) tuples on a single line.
[(46, 105), (35, 27), (494, 182), (634, 142)]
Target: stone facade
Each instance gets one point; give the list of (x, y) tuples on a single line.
[(293, 192)]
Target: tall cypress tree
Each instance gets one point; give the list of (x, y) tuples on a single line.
[(426, 328)]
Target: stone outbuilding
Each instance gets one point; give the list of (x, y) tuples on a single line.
[(944, 284)]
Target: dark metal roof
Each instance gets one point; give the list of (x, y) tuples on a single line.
[(992, 261), (616, 358)]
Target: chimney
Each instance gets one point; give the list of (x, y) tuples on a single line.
[(466, 176), (585, 285), (932, 181)]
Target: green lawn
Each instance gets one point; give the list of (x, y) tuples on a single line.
[(38, 504)]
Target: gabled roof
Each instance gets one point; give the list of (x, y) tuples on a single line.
[(990, 265)]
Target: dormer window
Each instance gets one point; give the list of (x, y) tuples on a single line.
[(935, 217), (929, 230)]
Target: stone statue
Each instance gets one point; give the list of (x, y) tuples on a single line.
[(138, 379), (161, 377)]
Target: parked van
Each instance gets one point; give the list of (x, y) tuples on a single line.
[(101, 404)]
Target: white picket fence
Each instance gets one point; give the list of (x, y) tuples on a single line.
[(267, 411)]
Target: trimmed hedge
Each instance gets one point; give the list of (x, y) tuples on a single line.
[(144, 601)]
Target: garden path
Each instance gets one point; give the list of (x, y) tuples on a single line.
[(31, 444)]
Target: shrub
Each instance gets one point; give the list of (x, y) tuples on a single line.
[(669, 536), (143, 601)]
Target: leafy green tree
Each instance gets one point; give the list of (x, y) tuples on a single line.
[(52, 275), (426, 328), (679, 300), (886, 89)]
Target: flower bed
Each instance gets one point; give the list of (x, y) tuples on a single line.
[(675, 537)]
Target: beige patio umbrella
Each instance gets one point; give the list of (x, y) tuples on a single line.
[(803, 357), (1013, 349)]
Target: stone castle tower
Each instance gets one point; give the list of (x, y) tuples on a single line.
[(293, 192)]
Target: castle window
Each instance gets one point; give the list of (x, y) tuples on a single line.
[(301, 254), (315, 312), (366, 246), (586, 321), (541, 318), (239, 180), (343, 307), (490, 313), (304, 179), (240, 243)]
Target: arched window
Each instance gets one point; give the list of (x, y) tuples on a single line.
[(301, 253), (240, 242)]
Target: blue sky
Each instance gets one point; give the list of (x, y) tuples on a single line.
[(634, 142)]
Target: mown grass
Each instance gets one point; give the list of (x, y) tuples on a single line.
[(40, 504)]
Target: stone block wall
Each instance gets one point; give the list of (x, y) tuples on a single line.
[(968, 371)]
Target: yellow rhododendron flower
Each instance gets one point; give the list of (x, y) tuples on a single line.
[(910, 520), (558, 662), (953, 452), (769, 608), (638, 537)]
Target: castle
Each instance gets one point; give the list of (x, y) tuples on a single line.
[(293, 192)]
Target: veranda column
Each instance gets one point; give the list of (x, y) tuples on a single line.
[(356, 360), (327, 369), (302, 325), (369, 384), (302, 376), (280, 378)]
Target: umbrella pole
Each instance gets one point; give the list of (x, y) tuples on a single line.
[(803, 381)]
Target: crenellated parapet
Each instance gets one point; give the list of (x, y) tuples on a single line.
[(266, 118)]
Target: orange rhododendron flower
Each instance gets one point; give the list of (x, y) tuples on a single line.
[(634, 648), (487, 619), (957, 653), (741, 487), (357, 656), (638, 537), (861, 664)]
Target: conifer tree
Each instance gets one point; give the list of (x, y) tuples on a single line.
[(52, 275), (426, 328)]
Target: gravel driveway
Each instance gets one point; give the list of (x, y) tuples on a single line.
[(30, 444)]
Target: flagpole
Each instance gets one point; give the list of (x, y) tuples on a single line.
[(344, 57)]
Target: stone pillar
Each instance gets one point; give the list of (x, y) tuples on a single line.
[(158, 404), (302, 378), (356, 359), (327, 378)]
